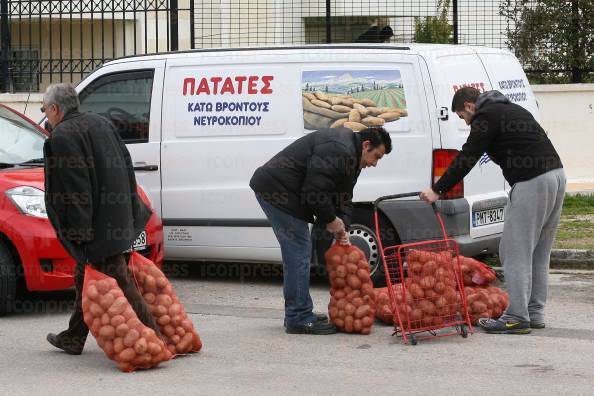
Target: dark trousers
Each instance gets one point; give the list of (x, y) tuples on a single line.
[(116, 266)]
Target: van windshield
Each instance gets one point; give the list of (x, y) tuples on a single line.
[(21, 141)]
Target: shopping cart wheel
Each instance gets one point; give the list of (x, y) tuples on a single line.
[(413, 339), (464, 331)]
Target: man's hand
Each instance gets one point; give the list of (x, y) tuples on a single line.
[(429, 196), (336, 226), (342, 238)]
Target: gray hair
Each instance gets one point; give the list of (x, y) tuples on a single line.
[(62, 95)]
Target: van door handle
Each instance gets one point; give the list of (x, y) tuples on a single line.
[(150, 168)]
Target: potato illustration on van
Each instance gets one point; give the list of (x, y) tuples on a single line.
[(354, 99)]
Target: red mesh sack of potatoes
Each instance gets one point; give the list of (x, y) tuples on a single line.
[(476, 273), (352, 301), (430, 296), (174, 323), (115, 326), (485, 302)]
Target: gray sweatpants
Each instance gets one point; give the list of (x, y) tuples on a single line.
[(531, 220)]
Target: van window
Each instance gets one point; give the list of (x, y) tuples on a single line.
[(125, 99)]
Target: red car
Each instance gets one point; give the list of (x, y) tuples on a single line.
[(30, 253)]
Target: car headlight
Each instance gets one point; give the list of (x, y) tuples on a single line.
[(29, 200)]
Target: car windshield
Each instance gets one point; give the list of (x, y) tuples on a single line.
[(19, 140)]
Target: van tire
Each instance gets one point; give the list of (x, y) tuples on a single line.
[(8, 280), (362, 234)]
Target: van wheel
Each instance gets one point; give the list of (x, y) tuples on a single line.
[(8, 280), (362, 234)]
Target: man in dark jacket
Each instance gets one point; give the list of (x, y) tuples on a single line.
[(513, 139), (92, 203), (313, 179)]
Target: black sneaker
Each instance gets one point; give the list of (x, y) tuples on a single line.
[(54, 340), (537, 325), (498, 326), (317, 328), (320, 317)]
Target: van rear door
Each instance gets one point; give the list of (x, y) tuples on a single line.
[(484, 185)]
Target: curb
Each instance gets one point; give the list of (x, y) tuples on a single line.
[(572, 258)]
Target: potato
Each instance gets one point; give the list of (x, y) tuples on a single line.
[(374, 111), (357, 325), (126, 355), (357, 301), (341, 271), (106, 300), (185, 344), (118, 345), (367, 321), (427, 282), (95, 326), (164, 299), (367, 102), (175, 309), (362, 274), (321, 95), (322, 104), (164, 320), (160, 310), (150, 298), (349, 309), (175, 339), (341, 108), (416, 291), (102, 286), (348, 102), (131, 337), (140, 347), (334, 100), (390, 116), (348, 324), (180, 331), (309, 96), (108, 348), (373, 121), (361, 109), (333, 312), (118, 306), (162, 282), (153, 348), (354, 282), (168, 330), (134, 323), (351, 268), (121, 330), (354, 116), (354, 126), (339, 323), (96, 310), (107, 332), (128, 313), (150, 284), (117, 320), (366, 330), (362, 311), (92, 292)]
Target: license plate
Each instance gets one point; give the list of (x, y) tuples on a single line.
[(140, 242), (486, 217)]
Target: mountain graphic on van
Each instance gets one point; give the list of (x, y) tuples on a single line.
[(355, 99)]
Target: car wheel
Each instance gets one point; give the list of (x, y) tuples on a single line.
[(8, 280)]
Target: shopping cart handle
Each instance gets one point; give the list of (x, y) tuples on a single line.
[(395, 196)]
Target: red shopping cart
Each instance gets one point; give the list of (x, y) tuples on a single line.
[(425, 284)]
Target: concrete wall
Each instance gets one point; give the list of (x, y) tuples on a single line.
[(567, 113)]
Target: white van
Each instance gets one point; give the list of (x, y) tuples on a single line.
[(199, 123)]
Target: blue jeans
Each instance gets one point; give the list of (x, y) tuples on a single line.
[(295, 242)]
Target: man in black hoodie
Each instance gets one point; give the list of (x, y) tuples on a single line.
[(312, 179), (513, 139)]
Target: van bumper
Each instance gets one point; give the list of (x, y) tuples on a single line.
[(476, 246)]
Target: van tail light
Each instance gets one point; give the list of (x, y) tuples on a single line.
[(441, 160)]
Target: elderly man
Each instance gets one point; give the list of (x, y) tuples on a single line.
[(91, 201), (312, 178), (517, 143)]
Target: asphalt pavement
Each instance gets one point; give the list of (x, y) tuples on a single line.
[(239, 318)]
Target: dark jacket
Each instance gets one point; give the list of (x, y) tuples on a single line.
[(90, 188), (313, 177), (510, 136)]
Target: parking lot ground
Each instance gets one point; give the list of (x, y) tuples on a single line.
[(247, 352)]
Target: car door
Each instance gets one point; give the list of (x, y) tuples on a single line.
[(129, 94)]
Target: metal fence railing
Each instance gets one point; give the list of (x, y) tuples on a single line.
[(44, 41)]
